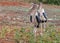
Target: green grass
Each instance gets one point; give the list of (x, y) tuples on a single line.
[(50, 35)]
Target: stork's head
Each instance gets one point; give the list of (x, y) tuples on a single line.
[(40, 5)]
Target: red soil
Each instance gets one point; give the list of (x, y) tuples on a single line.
[(14, 4)]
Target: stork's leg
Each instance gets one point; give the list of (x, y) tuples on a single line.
[(45, 24), (38, 25)]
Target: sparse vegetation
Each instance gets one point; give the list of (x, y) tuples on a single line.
[(26, 35)]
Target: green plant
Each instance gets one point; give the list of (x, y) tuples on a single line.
[(3, 32), (56, 2), (22, 35)]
